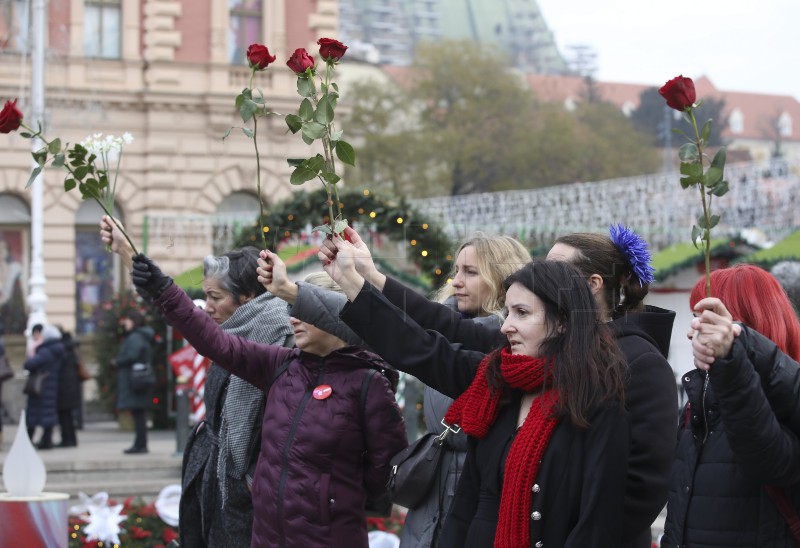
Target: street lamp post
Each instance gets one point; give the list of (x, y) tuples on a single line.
[(37, 299)]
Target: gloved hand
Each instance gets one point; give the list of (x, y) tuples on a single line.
[(150, 282)]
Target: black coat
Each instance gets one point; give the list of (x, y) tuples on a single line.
[(136, 347), (69, 384), (49, 357), (739, 431), (650, 395), (582, 476)]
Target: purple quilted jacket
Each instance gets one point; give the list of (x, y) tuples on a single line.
[(311, 480)]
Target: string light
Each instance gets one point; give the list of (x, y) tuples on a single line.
[(424, 226), (424, 253), (438, 271), (413, 242), (366, 192), (266, 229), (399, 220), (290, 217), (372, 215)]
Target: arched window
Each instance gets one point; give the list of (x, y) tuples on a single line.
[(236, 211), (736, 121), (15, 222), (97, 271)]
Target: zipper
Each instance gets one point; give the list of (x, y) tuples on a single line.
[(705, 417), (287, 446), (699, 456)]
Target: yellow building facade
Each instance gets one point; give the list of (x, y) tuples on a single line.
[(167, 71)]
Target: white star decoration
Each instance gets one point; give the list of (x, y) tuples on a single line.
[(103, 520)]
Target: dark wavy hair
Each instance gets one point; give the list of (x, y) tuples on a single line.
[(588, 367), (236, 272)]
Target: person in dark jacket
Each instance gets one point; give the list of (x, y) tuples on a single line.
[(547, 462), (322, 456), (736, 476), (69, 391), (219, 460), (137, 347), (613, 270), (482, 263), (41, 410)]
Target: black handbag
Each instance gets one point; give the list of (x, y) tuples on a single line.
[(34, 383), (414, 469), (143, 377)]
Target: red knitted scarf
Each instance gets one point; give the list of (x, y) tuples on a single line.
[(475, 412)]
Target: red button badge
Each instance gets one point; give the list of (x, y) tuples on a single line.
[(323, 391)]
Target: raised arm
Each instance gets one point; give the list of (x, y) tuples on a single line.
[(432, 315), (112, 236), (309, 303), (254, 362), (337, 254), (767, 449), (408, 347)]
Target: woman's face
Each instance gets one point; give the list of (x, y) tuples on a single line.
[(314, 340), (471, 290), (525, 325), (220, 304)]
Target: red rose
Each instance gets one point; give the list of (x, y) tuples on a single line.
[(330, 49), (679, 93), (169, 535), (300, 61), (10, 117), (258, 56)]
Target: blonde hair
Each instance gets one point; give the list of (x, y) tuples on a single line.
[(498, 258), (323, 280)]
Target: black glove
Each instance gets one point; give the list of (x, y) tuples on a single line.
[(150, 282)]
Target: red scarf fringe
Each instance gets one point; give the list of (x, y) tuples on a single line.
[(476, 410)]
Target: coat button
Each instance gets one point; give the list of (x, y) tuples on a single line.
[(686, 489), (686, 379), (536, 516), (539, 544), (535, 488)]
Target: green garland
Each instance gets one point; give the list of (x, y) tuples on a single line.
[(428, 246)]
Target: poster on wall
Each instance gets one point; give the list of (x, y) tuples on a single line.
[(94, 280), (13, 280)]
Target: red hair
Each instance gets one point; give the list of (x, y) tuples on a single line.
[(754, 297)]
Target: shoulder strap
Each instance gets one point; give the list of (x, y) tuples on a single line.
[(278, 372)]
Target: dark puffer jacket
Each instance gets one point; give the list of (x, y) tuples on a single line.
[(135, 348), (739, 432), (49, 357), (318, 462)]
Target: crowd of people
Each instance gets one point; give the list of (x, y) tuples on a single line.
[(553, 368), (53, 353)]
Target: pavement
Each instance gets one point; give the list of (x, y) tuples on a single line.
[(99, 464)]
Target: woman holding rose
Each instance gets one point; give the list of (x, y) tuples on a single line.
[(544, 412)]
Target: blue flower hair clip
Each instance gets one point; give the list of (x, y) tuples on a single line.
[(634, 247)]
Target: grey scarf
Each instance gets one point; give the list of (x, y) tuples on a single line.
[(264, 320)]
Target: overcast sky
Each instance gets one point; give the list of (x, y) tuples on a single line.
[(740, 45)]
